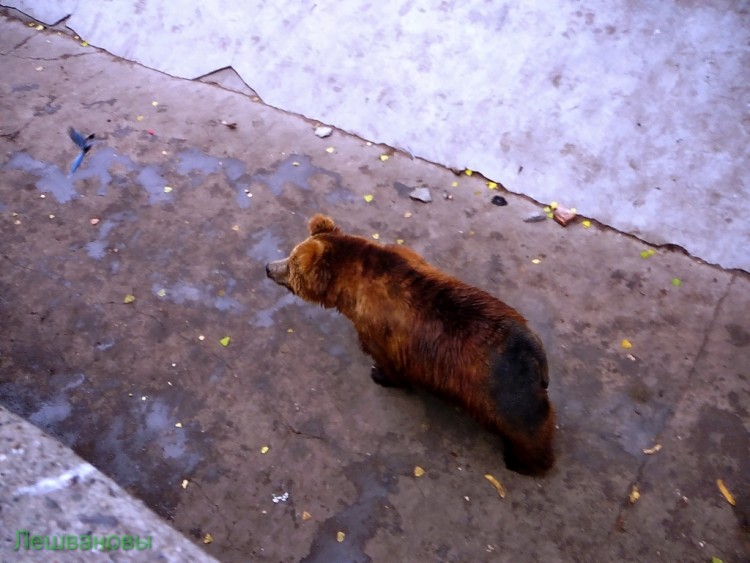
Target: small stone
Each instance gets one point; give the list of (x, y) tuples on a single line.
[(94, 220), (421, 194), (499, 201), (448, 196), (323, 132)]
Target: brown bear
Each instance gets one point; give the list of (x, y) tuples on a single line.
[(424, 327)]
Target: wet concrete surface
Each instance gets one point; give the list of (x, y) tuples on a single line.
[(181, 212)]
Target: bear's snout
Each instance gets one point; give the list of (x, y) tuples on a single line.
[(278, 271)]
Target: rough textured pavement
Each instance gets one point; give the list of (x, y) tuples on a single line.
[(146, 392)]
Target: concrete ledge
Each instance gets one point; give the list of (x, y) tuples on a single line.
[(48, 491)]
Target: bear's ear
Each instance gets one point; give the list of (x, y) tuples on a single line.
[(321, 224)]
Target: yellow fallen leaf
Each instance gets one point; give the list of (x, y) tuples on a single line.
[(167, 189), (634, 494), (264, 449), (39, 27), (384, 157), (290, 330), (553, 205), (84, 43), (139, 118), (129, 298), (497, 484), (725, 492), (340, 536), (418, 471), (492, 185), (454, 184), (536, 261), (368, 198), (236, 228), (225, 341), (677, 282), (468, 172), (547, 209), (162, 292), (329, 150), (626, 344), (399, 241), (208, 538), (586, 224), (376, 236), (306, 515)]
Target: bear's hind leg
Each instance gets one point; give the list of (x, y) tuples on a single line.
[(530, 453)]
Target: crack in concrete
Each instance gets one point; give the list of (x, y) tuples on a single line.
[(618, 524)]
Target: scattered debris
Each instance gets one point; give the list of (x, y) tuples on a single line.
[(677, 282), (178, 425), (330, 150), (340, 536), (231, 126), (647, 253), (499, 200), (421, 194), (634, 494), (264, 450), (399, 241), (368, 198), (448, 196), (724, 491), (626, 344), (497, 484), (185, 483), (407, 214), (129, 298), (323, 131), (418, 471), (586, 224), (536, 261), (384, 157), (491, 185), (94, 220), (563, 215), (468, 172), (455, 184), (306, 515), (376, 236), (280, 498), (535, 218), (651, 451), (225, 341), (208, 538)]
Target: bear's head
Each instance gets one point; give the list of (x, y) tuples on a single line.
[(306, 271)]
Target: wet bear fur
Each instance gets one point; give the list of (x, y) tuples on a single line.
[(424, 327)]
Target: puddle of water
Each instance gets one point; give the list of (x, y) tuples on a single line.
[(192, 159), (153, 182), (295, 169), (264, 317), (97, 249), (57, 408), (51, 179), (266, 247), (181, 292)]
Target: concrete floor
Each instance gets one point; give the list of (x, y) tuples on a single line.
[(113, 380), (634, 113)]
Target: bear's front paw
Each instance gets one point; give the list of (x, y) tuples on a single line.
[(379, 377)]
